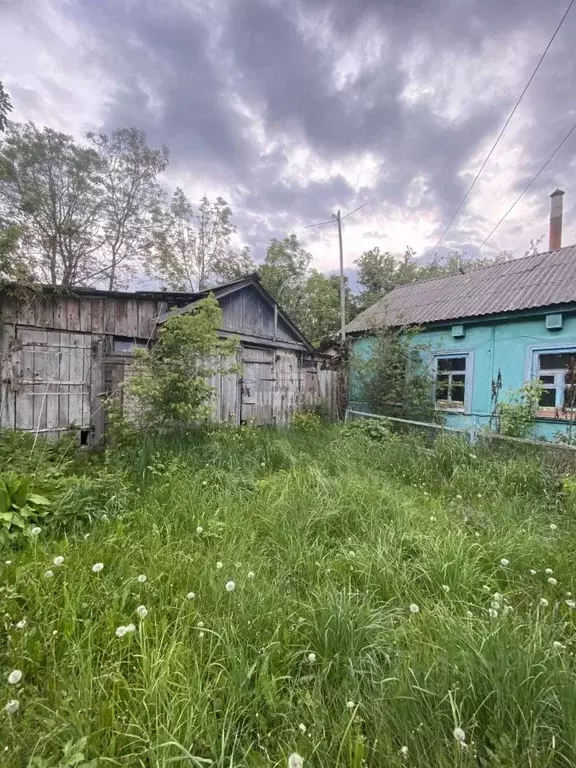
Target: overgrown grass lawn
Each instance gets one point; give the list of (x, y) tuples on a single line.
[(314, 592)]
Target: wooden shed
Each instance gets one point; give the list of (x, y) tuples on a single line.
[(64, 351)]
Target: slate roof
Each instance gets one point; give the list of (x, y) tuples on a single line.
[(545, 279)]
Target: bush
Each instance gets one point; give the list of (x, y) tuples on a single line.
[(20, 507)]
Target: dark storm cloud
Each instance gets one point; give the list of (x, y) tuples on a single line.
[(233, 86)]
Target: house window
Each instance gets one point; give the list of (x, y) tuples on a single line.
[(557, 374), (450, 386), (127, 346)]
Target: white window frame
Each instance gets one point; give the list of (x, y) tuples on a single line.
[(533, 372), (468, 355)]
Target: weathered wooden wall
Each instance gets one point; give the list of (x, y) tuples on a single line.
[(61, 356)]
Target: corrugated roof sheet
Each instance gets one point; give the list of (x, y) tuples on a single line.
[(533, 281)]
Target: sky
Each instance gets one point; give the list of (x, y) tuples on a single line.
[(293, 109)]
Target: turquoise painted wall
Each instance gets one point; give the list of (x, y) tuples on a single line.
[(504, 346)]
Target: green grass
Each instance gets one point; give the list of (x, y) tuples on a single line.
[(342, 535)]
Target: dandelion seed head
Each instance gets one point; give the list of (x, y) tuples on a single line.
[(7, 562), (58, 560), (36, 531), (142, 578), (201, 635), (295, 761), (199, 529), (142, 611), (486, 588), (11, 707), (549, 571), (121, 631), (552, 581), (493, 613), (251, 574), (553, 526), (190, 596), (48, 574), (230, 586), (504, 562), (446, 588), (302, 728), (219, 565), (204, 482), (15, 676), (21, 624), (543, 602), (571, 604), (459, 734), (131, 628), (469, 614), (350, 704), (495, 605), (557, 645), (200, 624), (97, 567), (414, 608), (533, 572), (312, 658)]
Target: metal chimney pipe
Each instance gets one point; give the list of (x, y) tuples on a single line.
[(556, 205)]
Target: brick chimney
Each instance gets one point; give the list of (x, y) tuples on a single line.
[(556, 199)]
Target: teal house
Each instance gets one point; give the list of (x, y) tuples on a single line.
[(492, 329)]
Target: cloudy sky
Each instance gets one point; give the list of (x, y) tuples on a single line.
[(291, 109)]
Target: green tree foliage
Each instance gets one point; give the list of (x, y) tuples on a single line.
[(130, 198), (392, 378), (192, 247), (170, 382), (5, 108), (515, 416), (50, 190), (285, 272)]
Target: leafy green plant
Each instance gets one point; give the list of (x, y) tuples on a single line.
[(306, 421), (392, 377), (19, 506), (515, 417), (171, 381), (371, 428)]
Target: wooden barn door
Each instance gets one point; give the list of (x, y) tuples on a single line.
[(51, 381), (257, 383)]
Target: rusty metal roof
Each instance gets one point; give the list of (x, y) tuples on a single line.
[(541, 280)]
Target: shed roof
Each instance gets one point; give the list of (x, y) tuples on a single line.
[(541, 280)]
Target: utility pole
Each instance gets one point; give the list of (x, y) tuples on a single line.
[(338, 218)]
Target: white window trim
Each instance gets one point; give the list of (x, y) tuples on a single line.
[(532, 366), (468, 355)]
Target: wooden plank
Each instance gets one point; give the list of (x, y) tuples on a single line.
[(27, 310), (41, 375), (85, 314), (8, 309), (73, 314), (131, 318), (97, 398), (76, 386), (286, 389), (64, 389), (25, 394), (44, 312), (120, 318), (109, 316), (60, 313), (54, 373), (147, 312), (7, 394), (97, 321)]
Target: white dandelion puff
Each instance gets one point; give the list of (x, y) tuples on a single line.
[(295, 761), (552, 581), (204, 482), (404, 751), (142, 578), (446, 588), (11, 707), (553, 527), (131, 628), (230, 586), (571, 604), (7, 562), (219, 565), (200, 624), (251, 574), (58, 560), (493, 613), (432, 519), (486, 588), (190, 596), (36, 531), (199, 529), (459, 735), (15, 676), (97, 567), (495, 605), (350, 704), (21, 624), (504, 562), (548, 571), (48, 574), (302, 728), (414, 608), (201, 635), (543, 602), (557, 645), (533, 572), (469, 614), (311, 658), (142, 611), (121, 631)]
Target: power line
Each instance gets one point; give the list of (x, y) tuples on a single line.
[(510, 116), (527, 187)]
